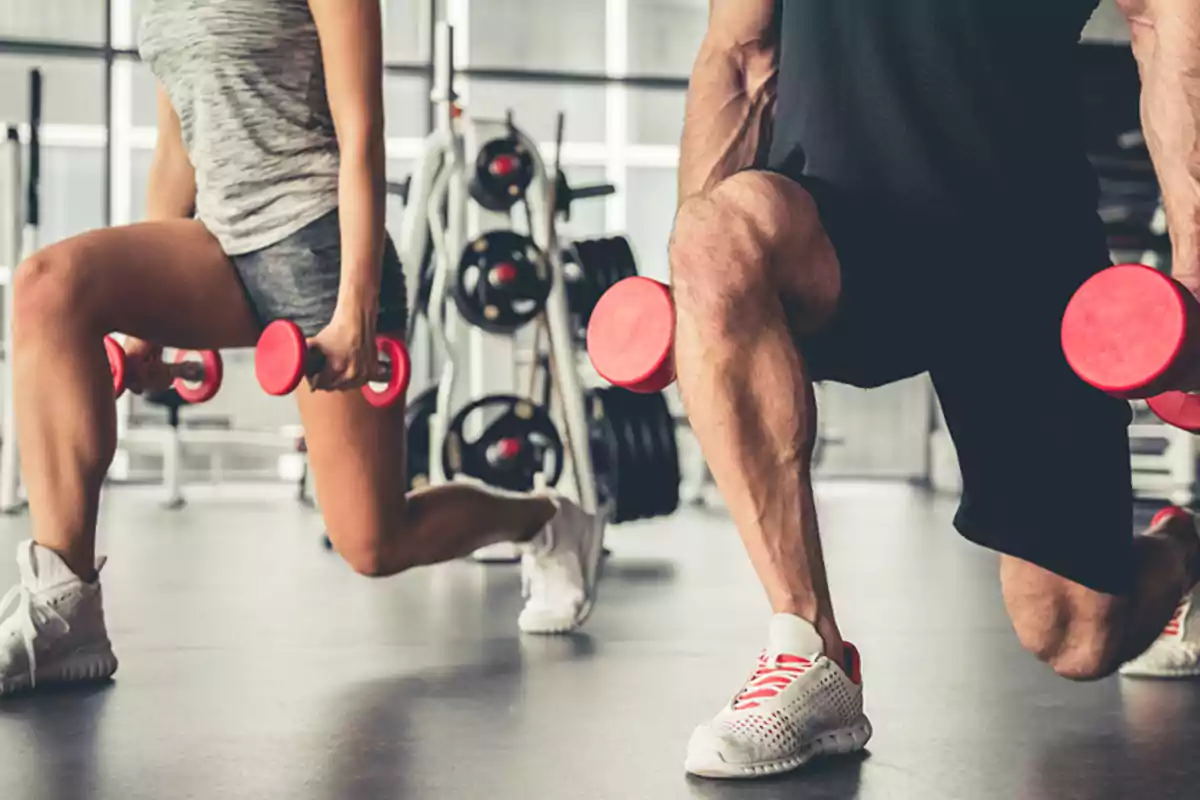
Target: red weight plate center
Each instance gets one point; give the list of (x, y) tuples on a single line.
[(279, 358), (507, 449), (503, 166), (504, 274), (1124, 328), (630, 331)]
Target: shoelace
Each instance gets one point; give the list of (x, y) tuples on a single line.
[(29, 615), (773, 675)]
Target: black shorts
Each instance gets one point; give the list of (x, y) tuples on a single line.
[(298, 279), (1044, 457)]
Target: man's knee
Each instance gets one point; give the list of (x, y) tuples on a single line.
[(1075, 652), (728, 244), (1069, 627), (47, 289)]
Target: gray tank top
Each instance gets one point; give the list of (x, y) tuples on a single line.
[(246, 79)]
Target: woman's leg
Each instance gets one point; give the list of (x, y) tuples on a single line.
[(167, 282), (357, 453)]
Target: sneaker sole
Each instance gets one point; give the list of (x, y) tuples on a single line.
[(76, 668), (843, 741), (593, 567), (1168, 674)]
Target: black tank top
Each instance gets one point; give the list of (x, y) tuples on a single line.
[(955, 119)]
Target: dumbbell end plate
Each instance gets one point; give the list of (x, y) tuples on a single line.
[(630, 335), (279, 358), (1180, 409), (1124, 328), (116, 364)]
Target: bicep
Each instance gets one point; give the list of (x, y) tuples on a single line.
[(351, 38)]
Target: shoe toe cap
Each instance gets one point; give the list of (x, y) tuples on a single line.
[(711, 752), (541, 619)]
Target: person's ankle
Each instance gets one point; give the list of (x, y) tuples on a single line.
[(83, 564), (825, 625)]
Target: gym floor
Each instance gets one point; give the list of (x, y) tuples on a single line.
[(255, 665)]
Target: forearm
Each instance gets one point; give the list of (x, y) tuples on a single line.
[(361, 200), (730, 108), (1167, 46)]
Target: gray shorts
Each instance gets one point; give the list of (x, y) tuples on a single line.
[(298, 278)]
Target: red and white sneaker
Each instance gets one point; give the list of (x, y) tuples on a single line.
[(1176, 652), (796, 706)]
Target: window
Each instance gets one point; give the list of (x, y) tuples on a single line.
[(535, 107), (656, 116), (72, 90), (650, 199), (72, 191), (406, 27), (558, 35), (664, 35), (70, 21), (405, 105)]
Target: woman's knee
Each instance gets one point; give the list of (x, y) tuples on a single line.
[(48, 289), (374, 550)]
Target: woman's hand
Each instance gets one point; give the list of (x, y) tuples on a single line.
[(145, 370), (347, 345)]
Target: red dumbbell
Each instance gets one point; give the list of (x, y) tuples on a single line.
[(283, 358), (1134, 332), (631, 334), (196, 374)]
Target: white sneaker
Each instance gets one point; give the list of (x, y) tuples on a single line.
[(797, 705), (560, 569), (56, 631), (1176, 652)]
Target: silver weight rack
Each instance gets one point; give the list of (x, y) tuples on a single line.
[(439, 220)]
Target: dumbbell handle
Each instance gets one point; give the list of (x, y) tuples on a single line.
[(314, 362), (191, 371)]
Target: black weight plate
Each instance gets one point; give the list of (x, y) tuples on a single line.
[(501, 308), (604, 450), (416, 420), (667, 447), (622, 254), (628, 494), (501, 192), (638, 464), (511, 418), (654, 467)]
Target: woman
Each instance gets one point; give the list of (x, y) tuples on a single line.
[(266, 201)]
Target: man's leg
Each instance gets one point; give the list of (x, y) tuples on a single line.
[(753, 270), (736, 255), (1086, 635), (1046, 481)]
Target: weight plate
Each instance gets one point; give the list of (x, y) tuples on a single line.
[(635, 455), (417, 417), (502, 282), (519, 440), (503, 171)]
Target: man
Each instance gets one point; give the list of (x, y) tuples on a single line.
[(871, 189)]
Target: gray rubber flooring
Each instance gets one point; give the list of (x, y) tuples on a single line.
[(255, 665)]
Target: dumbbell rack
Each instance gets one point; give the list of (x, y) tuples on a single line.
[(438, 214)]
